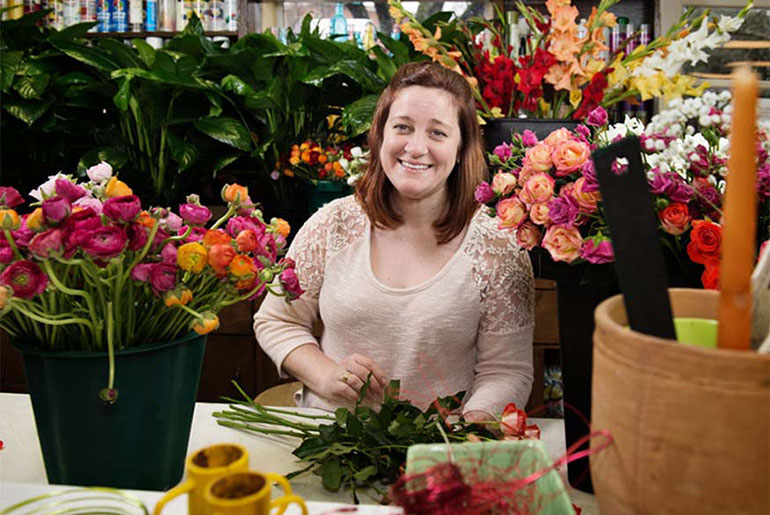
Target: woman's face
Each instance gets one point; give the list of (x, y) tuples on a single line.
[(420, 142)]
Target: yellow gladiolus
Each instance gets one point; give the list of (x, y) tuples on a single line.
[(575, 96), (192, 257), (206, 323), (35, 220), (117, 188)]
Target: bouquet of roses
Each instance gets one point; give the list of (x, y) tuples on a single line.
[(565, 70), (313, 162), (547, 190), (89, 269)]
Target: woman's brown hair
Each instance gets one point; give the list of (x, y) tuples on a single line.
[(374, 190)]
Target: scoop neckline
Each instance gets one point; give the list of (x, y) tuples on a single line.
[(425, 284)]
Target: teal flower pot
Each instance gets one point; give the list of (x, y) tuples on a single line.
[(324, 192), (140, 441)]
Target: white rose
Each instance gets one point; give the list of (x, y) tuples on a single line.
[(100, 172)]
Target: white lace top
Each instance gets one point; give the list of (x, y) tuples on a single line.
[(469, 328)]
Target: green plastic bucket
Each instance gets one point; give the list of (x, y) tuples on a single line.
[(324, 192), (140, 441)]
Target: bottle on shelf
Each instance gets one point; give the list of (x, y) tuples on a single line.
[(512, 37), (151, 16), (71, 12), (87, 12), (119, 16), (103, 14), (167, 15), (231, 15), (339, 25), (370, 37), (396, 34), (135, 15), (217, 15)]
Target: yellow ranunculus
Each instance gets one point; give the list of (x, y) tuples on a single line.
[(117, 188), (192, 257), (35, 220), (283, 227), (9, 219)]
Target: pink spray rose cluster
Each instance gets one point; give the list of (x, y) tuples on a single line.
[(547, 192), (89, 252)]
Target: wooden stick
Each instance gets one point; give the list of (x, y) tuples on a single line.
[(740, 217)]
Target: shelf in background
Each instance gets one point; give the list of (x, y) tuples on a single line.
[(155, 34)]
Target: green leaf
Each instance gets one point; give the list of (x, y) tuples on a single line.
[(386, 66), (224, 162), (234, 84), (216, 105), (124, 93), (311, 449), (28, 111), (357, 116), (352, 69), (146, 51), (226, 130), (331, 475), (355, 427), (121, 54), (183, 152), (10, 62), (74, 31), (365, 473), (91, 56), (32, 86), (338, 449), (73, 79), (116, 156), (341, 415)]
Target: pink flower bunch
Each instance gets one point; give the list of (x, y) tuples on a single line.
[(90, 252), (547, 192)]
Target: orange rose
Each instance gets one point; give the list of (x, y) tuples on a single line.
[(528, 235), (538, 213), (220, 256), (569, 156), (557, 136), (675, 219), (511, 213), (503, 183), (537, 158), (587, 200), (563, 242), (215, 236), (538, 188)]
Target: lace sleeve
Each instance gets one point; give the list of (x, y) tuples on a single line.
[(503, 273)]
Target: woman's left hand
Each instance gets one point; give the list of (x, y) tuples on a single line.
[(478, 416)]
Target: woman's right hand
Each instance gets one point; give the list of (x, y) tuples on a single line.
[(343, 384)]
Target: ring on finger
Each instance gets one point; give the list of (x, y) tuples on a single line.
[(344, 377)]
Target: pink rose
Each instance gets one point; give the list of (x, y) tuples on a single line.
[(538, 158), (511, 212), (585, 196), (558, 136), (503, 183), (25, 278), (528, 138), (538, 213), (503, 151), (538, 188), (563, 242), (528, 235), (564, 209), (597, 250), (514, 421), (569, 156)]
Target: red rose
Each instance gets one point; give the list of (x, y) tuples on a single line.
[(675, 219), (705, 241), (710, 276)]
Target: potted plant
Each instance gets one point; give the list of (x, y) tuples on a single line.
[(110, 305)]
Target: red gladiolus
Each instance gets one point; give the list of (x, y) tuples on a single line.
[(25, 278), (105, 242)]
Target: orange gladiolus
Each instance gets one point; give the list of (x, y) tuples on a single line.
[(192, 257)]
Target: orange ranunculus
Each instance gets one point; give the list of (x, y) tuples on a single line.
[(305, 156), (5, 294), (322, 158), (235, 193), (117, 188), (339, 173), (215, 236), (283, 227), (242, 266), (192, 257), (294, 160), (288, 173), (9, 219), (146, 220), (220, 256), (179, 296), (35, 220), (337, 165), (206, 323), (246, 284), (246, 241)]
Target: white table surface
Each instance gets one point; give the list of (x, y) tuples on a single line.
[(22, 472)]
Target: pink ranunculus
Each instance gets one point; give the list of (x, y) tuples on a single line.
[(44, 243), (569, 156), (528, 235), (597, 250), (290, 283), (25, 278), (163, 277), (557, 136), (597, 117), (122, 209), (246, 208), (160, 237), (563, 242), (564, 209), (484, 193), (193, 214), (141, 272), (587, 199), (168, 254), (69, 190), (511, 213), (172, 222), (10, 197), (583, 133), (6, 252), (538, 213), (538, 188), (504, 151), (503, 183), (89, 203), (23, 234), (105, 242), (137, 236), (196, 233), (538, 158), (56, 209), (528, 138), (100, 172), (280, 242), (267, 247), (240, 223)]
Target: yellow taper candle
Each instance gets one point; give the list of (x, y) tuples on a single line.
[(739, 216)]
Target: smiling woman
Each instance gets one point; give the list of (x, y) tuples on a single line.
[(409, 278)]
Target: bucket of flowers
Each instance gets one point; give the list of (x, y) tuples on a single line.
[(110, 304)]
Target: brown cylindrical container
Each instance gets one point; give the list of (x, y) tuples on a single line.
[(691, 424)]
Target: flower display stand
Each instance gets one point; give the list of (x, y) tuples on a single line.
[(498, 130), (138, 442)]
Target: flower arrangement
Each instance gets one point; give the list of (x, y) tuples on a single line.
[(313, 162), (90, 269), (565, 70), (547, 190)]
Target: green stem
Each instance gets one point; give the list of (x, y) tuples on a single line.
[(247, 427), (9, 239), (42, 320), (110, 347)]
